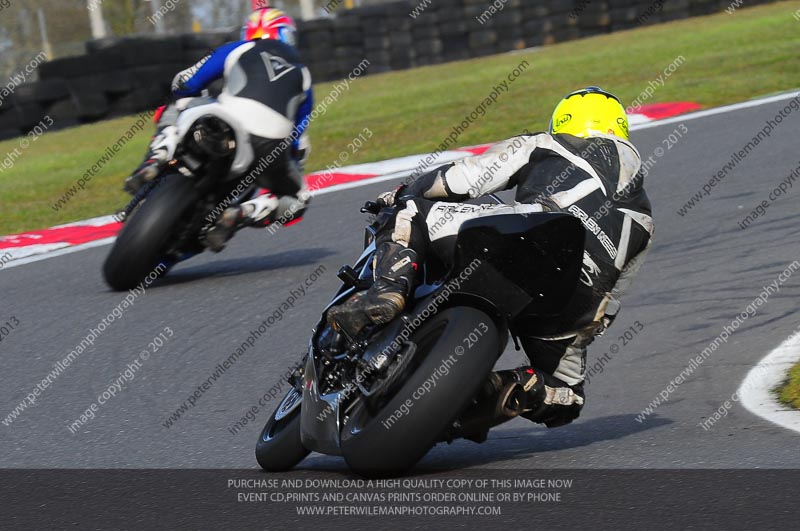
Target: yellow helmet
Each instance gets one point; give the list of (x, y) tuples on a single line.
[(590, 112)]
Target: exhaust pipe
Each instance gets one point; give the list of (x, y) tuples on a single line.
[(498, 404), (510, 403)]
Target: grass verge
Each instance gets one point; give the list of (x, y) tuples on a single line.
[(727, 58), (789, 392)]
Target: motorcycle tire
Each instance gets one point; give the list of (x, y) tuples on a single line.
[(146, 235), (395, 438), (279, 447)]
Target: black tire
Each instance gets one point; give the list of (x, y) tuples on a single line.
[(373, 450), (279, 446), (42, 91), (146, 235)]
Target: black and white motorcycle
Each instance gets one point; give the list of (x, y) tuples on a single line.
[(384, 402), (166, 221)]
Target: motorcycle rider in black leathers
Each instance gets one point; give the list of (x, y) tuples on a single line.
[(267, 94), (584, 166)]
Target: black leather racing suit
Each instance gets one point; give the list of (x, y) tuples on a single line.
[(598, 180)]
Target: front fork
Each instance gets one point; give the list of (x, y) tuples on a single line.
[(137, 198)]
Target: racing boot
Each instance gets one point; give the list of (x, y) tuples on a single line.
[(146, 172), (395, 270), (548, 400), (260, 210)]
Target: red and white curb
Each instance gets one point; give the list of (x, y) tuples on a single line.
[(660, 111), (27, 247), (27, 244)]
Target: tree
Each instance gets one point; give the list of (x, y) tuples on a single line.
[(20, 41), (121, 15)]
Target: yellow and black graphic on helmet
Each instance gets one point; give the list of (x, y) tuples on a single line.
[(562, 120), (590, 112), (622, 122)]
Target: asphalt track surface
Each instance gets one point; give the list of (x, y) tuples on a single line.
[(701, 273)]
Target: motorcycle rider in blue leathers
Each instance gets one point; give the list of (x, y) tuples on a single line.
[(266, 94)]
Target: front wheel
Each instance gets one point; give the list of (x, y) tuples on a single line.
[(279, 446), (145, 237), (456, 349)]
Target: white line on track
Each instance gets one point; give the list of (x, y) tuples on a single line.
[(756, 389), (58, 252), (397, 175)]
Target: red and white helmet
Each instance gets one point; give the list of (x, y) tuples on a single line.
[(270, 23)]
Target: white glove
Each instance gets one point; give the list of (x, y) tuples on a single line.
[(164, 144)]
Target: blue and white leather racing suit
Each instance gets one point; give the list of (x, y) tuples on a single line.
[(266, 93)]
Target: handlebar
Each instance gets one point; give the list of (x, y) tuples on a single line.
[(371, 207)]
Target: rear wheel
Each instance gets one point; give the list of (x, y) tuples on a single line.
[(146, 235), (279, 447), (456, 349)]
